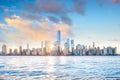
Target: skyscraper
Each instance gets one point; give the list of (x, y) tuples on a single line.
[(93, 44), (47, 47), (42, 48), (28, 50), (20, 50), (59, 37), (4, 50), (65, 51), (10, 51), (58, 42), (72, 47), (27, 46), (68, 43), (66, 47)]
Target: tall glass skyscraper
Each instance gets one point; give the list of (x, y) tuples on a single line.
[(58, 41)]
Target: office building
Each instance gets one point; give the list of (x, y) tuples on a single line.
[(93, 45), (72, 47), (58, 42), (20, 50), (66, 49), (4, 50), (59, 37), (47, 47), (10, 52)]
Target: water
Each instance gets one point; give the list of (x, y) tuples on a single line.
[(59, 67)]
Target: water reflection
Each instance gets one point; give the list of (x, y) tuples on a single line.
[(62, 60), (50, 64), (59, 67)]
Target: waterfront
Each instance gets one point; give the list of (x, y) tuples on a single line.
[(59, 67)]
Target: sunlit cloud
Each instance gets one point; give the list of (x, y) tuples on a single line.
[(28, 30)]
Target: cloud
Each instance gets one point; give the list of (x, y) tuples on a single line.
[(90, 37), (55, 10), (29, 30), (31, 16), (104, 2), (116, 1), (115, 40), (3, 26), (53, 19), (6, 9), (2, 41), (79, 6)]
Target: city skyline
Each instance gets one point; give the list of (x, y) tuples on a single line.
[(69, 49), (84, 21)]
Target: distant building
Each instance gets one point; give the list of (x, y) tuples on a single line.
[(114, 51), (10, 52), (4, 50), (54, 51), (66, 49), (27, 46), (15, 52), (34, 51), (58, 42), (78, 46), (72, 47), (20, 50), (93, 45), (47, 47), (59, 37), (109, 51), (27, 50), (105, 51), (98, 51), (42, 47)]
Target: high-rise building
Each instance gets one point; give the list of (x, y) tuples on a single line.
[(42, 44), (66, 47), (66, 51), (28, 50), (15, 52), (59, 37), (105, 51), (47, 47), (42, 48), (10, 51), (72, 47), (4, 50), (58, 42), (93, 44), (27, 46), (20, 50), (68, 43), (78, 49)]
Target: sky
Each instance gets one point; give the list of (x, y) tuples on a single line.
[(86, 21)]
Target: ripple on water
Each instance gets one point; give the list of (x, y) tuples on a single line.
[(75, 68)]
